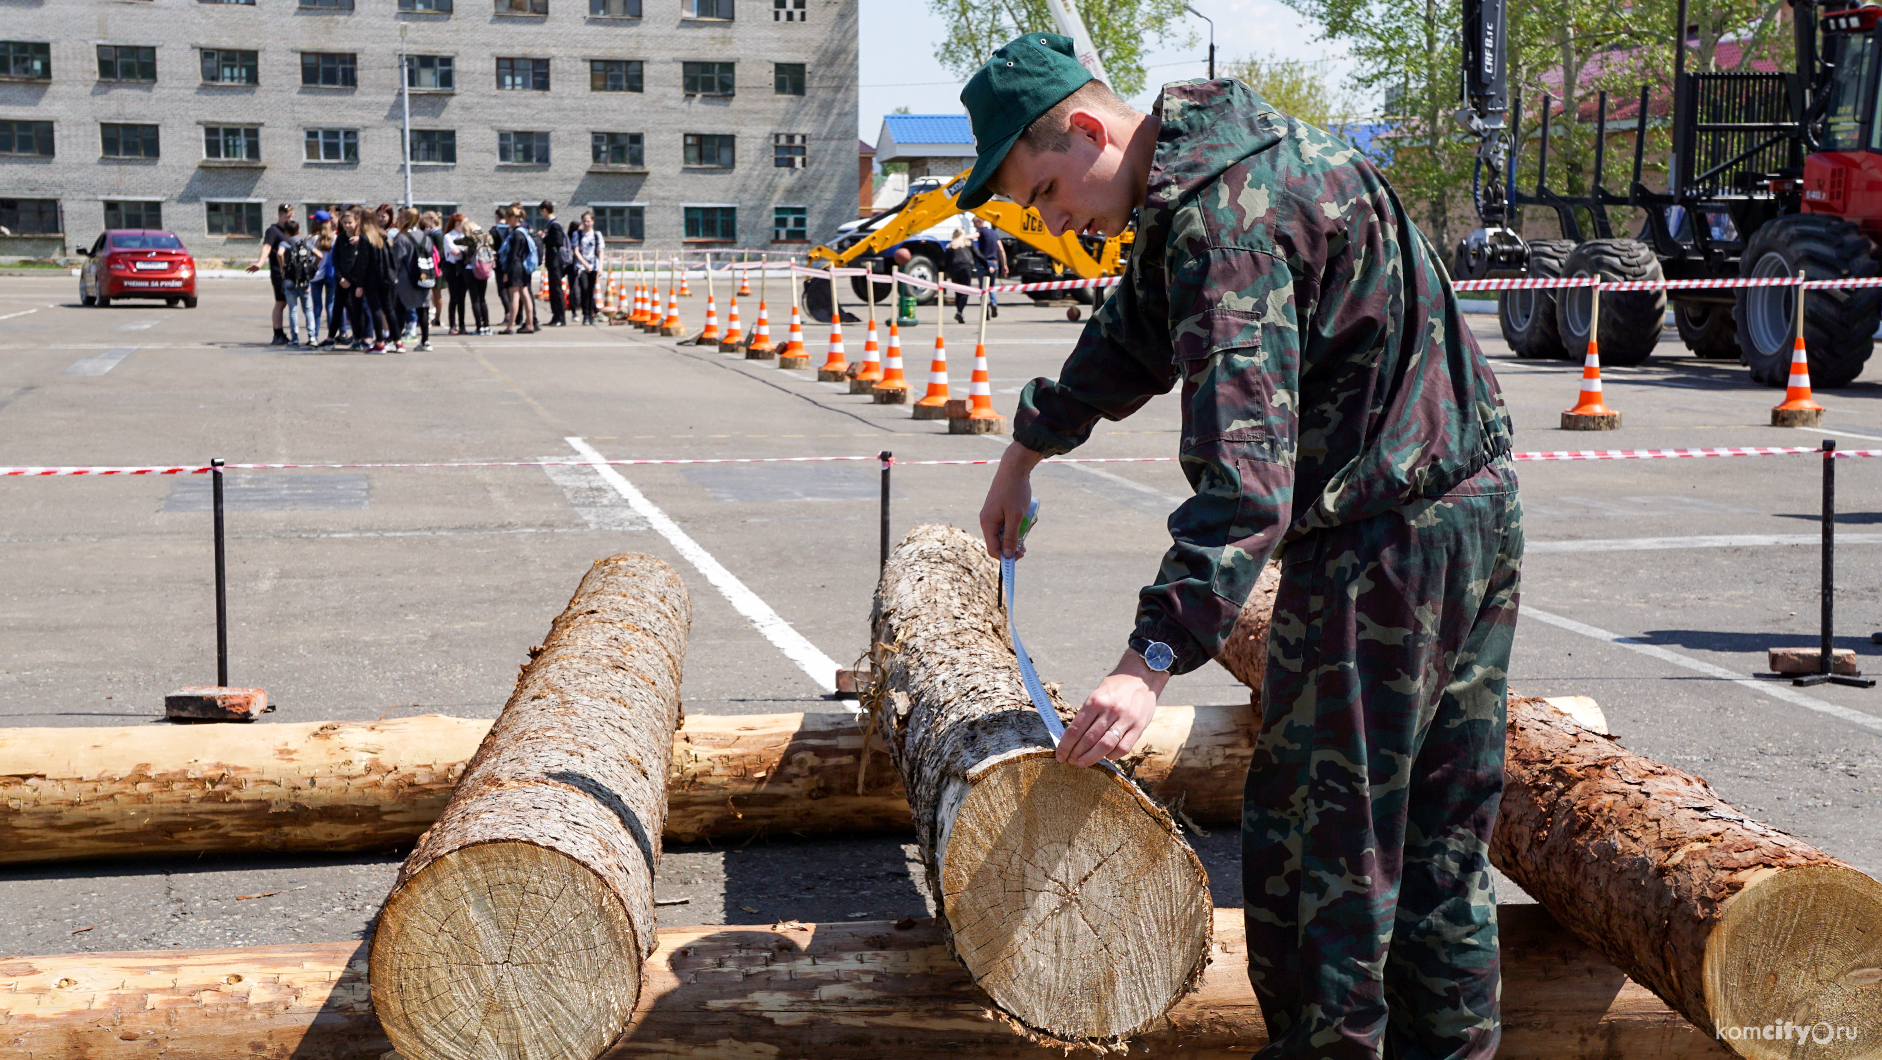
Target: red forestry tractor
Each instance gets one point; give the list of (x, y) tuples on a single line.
[(1771, 174)]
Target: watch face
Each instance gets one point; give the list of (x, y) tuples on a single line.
[(1158, 655)]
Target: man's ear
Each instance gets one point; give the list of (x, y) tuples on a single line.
[(1089, 124)]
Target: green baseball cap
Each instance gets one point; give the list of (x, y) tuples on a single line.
[(1024, 79)]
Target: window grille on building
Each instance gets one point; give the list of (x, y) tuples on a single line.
[(790, 150), (790, 224)]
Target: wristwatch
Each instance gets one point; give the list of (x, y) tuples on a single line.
[(1157, 655)]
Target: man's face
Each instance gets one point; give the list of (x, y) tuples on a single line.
[(1082, 189)]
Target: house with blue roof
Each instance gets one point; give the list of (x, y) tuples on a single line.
[(938, 145)]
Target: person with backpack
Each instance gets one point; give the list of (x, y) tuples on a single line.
[(500, 231), (456, 267), (345, 319), (480, 263), (298, 263), (588, 245), (415, 269), (373, 277), (519, 257), (559, 256)]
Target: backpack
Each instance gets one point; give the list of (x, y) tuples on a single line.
[(484, 262), (299, 263), (425, 265), (519, 247), (558, 240)]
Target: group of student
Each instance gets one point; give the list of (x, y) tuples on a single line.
[(377, 278)]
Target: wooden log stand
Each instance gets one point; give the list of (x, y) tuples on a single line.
[(519, 925), (1068, 894)]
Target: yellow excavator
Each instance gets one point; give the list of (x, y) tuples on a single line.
[(923, 223)]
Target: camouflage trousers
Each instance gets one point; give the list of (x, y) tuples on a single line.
[(1375, 782)]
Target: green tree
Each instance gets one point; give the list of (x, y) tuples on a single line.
[(1120, 31), (1297, 88)]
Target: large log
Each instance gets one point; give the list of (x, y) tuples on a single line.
[(518, 926), (1736, 924), (1068, 893), (155, 790), (854, 991)]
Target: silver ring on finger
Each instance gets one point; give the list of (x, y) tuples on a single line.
[(1114, 734)]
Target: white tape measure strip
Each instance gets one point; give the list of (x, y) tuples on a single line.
[(1009, 567)]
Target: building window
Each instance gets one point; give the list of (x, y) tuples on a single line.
[(618, 149), (523, 75), (790, 224), (329, 5), (441, 6), (709, 152), (706, 9), (789, 150), (615, 75), (118, 62), (789, 79), (30, 139), (129, 141), (330, 69), (621, 222), (615, 8), (789, 11), (30, 217), (27, 59), (707, 79), (245, 3), (434, 145), (712, 222), (232, 143), (523, 148), (522, 7), (133, 215), (233, 218), (332, 145), (435, 72), (225, 66)]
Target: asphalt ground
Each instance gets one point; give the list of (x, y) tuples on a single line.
[(369, 592)]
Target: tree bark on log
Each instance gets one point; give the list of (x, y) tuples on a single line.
[(519, 924), (1067, 893), (1735, 923), (1245, 653), (853, 991), (153, 791)]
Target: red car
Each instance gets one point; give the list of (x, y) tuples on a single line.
[(137, 263)]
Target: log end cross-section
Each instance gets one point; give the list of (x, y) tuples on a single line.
[(518, 926), (1068, 894)]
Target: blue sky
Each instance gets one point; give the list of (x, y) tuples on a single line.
[(898, 66)]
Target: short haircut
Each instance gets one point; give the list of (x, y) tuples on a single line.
[(588, 215), (286, 207), (546, 206), (292, 228), (1052, 131)]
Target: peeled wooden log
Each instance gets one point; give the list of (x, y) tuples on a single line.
[(1739, 926), (852, 991), (154, 790), (518, 926), (1067, 893)]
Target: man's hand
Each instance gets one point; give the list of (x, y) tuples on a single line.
[(254, 266), (1115, 715), (1008, 496)]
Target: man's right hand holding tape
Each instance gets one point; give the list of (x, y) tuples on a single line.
[(1336, 412)]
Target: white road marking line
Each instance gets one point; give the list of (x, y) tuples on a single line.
[(1764, 687), (1649, 544), (142, 325), (100, 364), (820, 667), (21, 313)]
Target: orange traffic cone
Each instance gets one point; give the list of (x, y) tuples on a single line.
[(934, 404), (685, 291), (711, 334), (893, 389), (865, 380), (637, 313), (1798, 409), (794, 355), (1589, 414), (744, 282), (761, 348), (980, 419), (671, 325), (835, 367), (542, 288), (733, 335)]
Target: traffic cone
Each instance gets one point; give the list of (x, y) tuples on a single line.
[(711, 334), (1798, 409), (1589, 414), (685, 291), (893, 389), (637, 311), (671, 325), (744, 282), (761, 347), (980, 419), (794, 355), (871, 374), (733, 335), (835, 368), (542, 288), (934, 404)]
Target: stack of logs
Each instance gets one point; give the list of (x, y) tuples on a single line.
[(546, 841)]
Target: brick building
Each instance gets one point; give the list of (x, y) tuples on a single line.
[(716, 123)]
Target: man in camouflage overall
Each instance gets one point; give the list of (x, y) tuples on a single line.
[(1336, 413)]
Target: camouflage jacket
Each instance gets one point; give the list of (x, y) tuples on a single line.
[(1326, 373)]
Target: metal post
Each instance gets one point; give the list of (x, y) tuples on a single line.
[(1826, 660), (888, 461), (222, 578), (405, 101)]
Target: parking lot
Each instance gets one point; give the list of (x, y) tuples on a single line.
[(1654, 586)]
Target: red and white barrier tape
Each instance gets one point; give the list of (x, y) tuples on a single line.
[(1534, 283), (1554, 455)]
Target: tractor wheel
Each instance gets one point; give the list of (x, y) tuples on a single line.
[(923, 267), (1630, 320), (885, 289), (1707, 330), (1839, 323), (1528, 317)]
